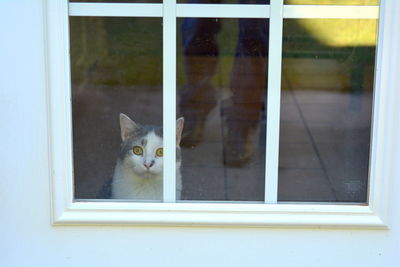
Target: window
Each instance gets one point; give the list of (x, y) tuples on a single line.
[(307, 117)]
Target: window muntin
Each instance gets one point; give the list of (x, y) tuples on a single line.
[(333, 2), (117, 1), (247, 2)]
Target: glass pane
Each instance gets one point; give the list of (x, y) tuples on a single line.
[(117, 1), (222, 1), (221, 87), (116, 66), (333, 2), (327, 92)]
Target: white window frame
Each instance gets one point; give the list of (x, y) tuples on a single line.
[(65, 211)]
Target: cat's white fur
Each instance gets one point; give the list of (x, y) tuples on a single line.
[(132, 180)]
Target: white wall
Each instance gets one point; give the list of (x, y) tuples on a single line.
[(28, 239)]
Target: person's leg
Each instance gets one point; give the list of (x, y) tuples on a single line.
[(198, 97), (242, 111)]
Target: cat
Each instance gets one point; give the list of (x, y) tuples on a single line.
[(138, 173)]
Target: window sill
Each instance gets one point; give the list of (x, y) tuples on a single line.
[(218, 214)]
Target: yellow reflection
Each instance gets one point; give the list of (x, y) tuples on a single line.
[(342, 32)]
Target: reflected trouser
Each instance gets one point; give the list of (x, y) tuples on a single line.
[(248, 76)]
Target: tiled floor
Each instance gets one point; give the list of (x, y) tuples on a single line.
[(325, 132), (324, 145), (324, 141)]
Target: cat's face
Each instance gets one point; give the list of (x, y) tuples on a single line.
[(144, 154), (142, 147)]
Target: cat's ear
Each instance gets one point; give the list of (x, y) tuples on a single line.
[(179, 129), (128, 126)]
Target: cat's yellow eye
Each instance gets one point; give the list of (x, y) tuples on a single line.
[(159, 152), (137, 150)]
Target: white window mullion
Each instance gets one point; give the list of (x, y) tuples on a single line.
[(222, 11), (273, 101), (115, 10), (330, 12), (169, 99)]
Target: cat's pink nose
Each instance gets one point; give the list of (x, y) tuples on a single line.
[(148, 165)]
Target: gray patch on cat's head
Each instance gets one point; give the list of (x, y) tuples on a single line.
[(137, 137), (144, 142)]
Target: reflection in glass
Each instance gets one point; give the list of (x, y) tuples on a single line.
[(221, 87), (333, 2), (116, 68), (327, 91)]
